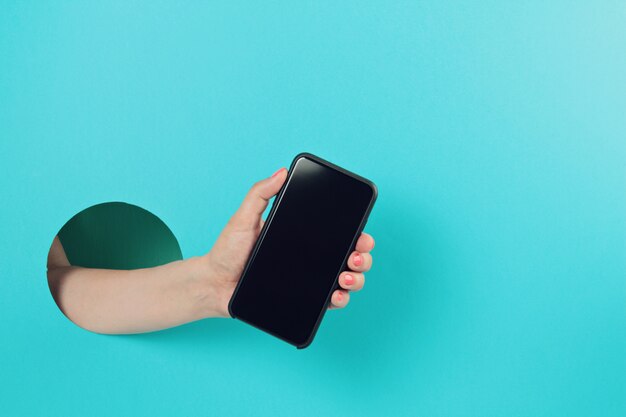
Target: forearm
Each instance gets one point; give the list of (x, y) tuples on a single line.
[(135, 301)]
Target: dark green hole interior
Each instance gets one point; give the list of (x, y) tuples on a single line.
[(118, 235)]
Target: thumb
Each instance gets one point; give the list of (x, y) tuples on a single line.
[(254, 204)]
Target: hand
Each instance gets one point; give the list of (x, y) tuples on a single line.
[(229, 254)]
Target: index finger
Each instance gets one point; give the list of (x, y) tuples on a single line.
[(365, 243)]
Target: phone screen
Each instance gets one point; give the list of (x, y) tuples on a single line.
[(288, 281)]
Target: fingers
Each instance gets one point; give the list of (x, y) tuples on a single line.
[(352, 281), (254, 204), (339, 299), (360, 261), (365, 243), (349, 281)]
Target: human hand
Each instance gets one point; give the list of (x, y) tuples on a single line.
[(227, 259)]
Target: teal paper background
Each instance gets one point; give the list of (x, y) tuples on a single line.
[(496, 134)]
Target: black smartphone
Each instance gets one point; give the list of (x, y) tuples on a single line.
[(294, 267)]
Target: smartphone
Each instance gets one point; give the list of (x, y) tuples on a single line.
[(312, 227)]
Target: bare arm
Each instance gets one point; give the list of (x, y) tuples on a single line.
[(148, 299), (131, 301)]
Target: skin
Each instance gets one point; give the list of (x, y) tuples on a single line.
[(149, 299)]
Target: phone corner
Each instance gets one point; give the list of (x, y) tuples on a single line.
[(303, 155), (306, 344), (374, 189), (230, 307), (309, 340)]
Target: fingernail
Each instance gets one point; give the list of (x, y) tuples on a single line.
[(348, 279), (358, 260), (276, 173), (339, 296)]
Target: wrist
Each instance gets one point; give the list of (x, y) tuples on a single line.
[(208, 297), (203, 294)]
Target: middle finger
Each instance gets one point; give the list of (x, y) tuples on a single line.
[(360, 262)]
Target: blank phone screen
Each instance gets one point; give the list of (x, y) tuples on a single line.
[(287, 283)]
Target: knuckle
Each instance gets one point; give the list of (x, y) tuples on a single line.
[(254, 189)]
